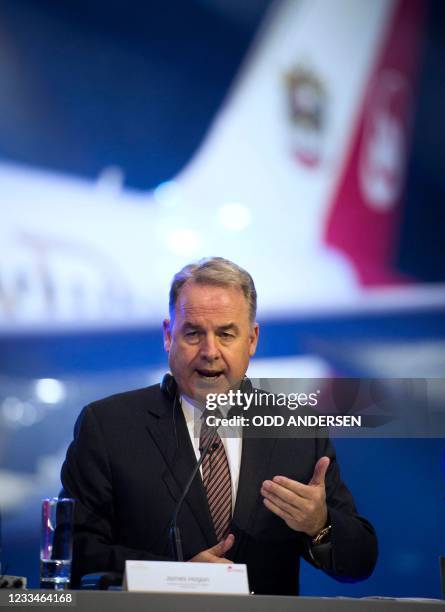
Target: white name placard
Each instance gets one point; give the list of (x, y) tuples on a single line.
[(174, 577)]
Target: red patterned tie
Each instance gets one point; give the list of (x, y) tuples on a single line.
[(216, 479)]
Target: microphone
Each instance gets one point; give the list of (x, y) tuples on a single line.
[(174, 531)]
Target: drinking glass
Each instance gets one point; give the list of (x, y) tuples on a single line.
[(56, 543)]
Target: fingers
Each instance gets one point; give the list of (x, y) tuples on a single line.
[(216, 553), (207, 557), (281, 497), (276, 509), (319, 475), (220, 549), (292, 486), (302, 506), (228, 543), (300, 489)]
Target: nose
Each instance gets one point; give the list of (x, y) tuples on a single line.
[(209, 348)]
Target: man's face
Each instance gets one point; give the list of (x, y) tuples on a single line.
[(210, 340)]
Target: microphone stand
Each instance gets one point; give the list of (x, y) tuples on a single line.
[(174, 531)]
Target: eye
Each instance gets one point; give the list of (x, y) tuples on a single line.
[(227, 335), (191, 334)]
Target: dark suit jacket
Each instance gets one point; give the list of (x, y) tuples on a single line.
[(128, 463)]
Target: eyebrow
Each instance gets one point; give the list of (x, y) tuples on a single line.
[(221, 328), (228, 327), (188, 325)]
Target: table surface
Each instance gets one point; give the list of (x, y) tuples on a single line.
[(114, 601)]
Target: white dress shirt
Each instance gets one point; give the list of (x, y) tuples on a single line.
[(232, 445)]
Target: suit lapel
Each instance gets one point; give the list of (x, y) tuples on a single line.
[(166, 425), (255, 459)]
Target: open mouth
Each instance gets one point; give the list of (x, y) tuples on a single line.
[(209, 374)]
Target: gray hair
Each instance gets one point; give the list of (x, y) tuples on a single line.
[(215, 271)]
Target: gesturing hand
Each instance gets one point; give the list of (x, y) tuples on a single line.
[(302, 507), (216, 553)]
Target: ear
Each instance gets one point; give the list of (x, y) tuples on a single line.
[(166, 327), (253, 339)]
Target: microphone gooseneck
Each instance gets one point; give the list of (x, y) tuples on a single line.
[(174, 531)]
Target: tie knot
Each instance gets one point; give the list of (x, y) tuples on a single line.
[(208, 429), (215, 413)]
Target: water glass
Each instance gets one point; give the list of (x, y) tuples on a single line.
[(56, 543)]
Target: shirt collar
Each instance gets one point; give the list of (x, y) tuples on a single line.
[(193, 409)]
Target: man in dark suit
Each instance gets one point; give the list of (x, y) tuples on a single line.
[(264, 502)]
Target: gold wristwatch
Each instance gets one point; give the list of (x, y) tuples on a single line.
[(322, 536)]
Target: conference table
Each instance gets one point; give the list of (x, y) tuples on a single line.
[(119, 601)]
